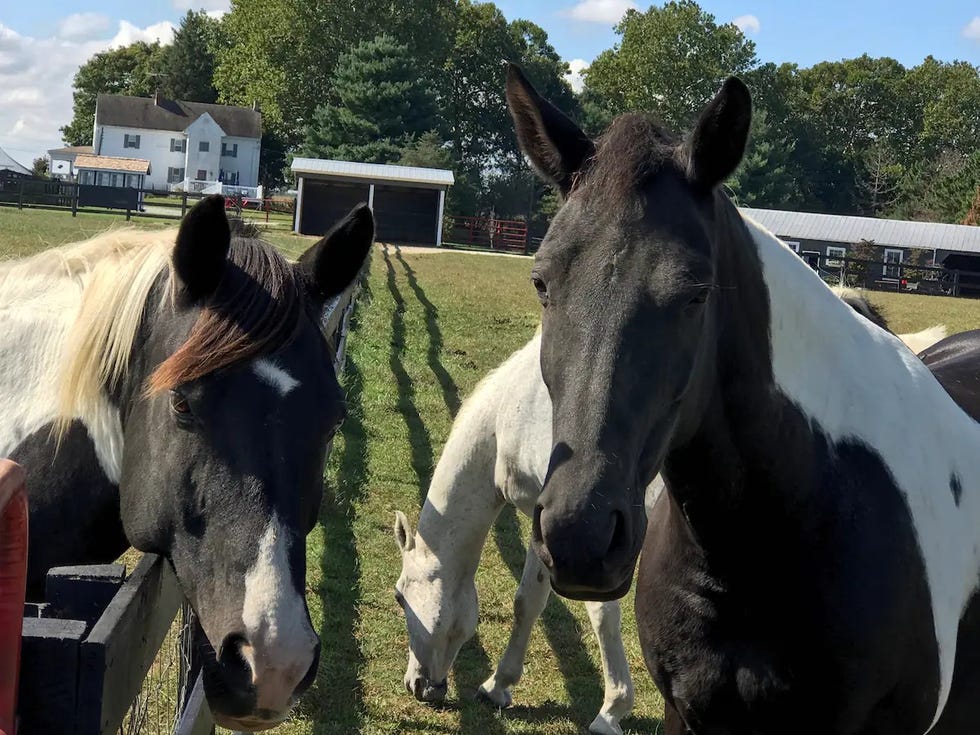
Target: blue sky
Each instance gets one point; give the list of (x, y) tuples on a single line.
[(42, 43)]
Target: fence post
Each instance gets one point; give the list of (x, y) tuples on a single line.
[(20, 195), (74, 198), (13, 581), (956, 283), (183, 203)]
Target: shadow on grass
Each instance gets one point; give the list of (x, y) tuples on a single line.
[(419, 439), (450, 391), (337, 697), (582, 678)]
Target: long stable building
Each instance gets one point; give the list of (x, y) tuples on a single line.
[(408, 201)]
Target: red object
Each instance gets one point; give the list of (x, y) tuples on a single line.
[(13, 582)]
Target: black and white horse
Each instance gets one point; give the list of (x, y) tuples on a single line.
[(173, 391), (814, 562)]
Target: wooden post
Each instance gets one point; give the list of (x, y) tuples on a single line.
[(74, 199), (20, 195), (183, 203), (956, 283)]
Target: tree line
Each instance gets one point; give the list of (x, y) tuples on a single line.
[(422, 84)]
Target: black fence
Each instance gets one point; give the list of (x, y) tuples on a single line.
[(880, 275), (132, 202), (89, 650)]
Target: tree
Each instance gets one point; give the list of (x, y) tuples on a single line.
[(426, 151), (670, 60), (973, 215), (187, 64), (40, 167), (132, 70), (380, 104), (765, 177)]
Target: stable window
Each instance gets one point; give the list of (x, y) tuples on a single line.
[(231, 151), (131, 141), (204, 146), (893, 257), (834, 255), (178, 145), (793, 244), (812, 258)]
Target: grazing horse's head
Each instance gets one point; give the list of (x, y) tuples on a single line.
[(441, 613), (228, 400), (630, 266)]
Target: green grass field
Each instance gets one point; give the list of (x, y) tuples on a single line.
[(427, 327)]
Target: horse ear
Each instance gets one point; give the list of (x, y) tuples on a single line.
[(717, 144), (333, 263), (201, 250), (403, 533), (554, 144)]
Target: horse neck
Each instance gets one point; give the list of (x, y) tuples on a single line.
[(462, 502)]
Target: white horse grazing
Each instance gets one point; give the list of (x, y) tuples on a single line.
[(497, 453)]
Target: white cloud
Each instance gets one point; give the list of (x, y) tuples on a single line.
[(972, 29), (214, 8), (608, 12), (36, 81), (83, 26), (574, 76), (749, 24)]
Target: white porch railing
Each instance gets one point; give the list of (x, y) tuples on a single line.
[(197, 186)]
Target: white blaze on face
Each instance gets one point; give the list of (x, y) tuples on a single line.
[(281, 643), (272, 374)]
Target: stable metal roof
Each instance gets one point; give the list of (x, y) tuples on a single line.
[(373, 171), (850, 230)]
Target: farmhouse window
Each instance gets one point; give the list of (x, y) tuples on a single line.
[(131, 141), (174, 175), (229, 150), (204, 146), (178, 145), (834, 254), (202, 175)]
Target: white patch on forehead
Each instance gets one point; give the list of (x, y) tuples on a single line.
[(269, 372), (273, 612), (844, 373)]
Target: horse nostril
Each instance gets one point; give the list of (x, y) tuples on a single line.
[(230, 654), (307, 681), (619, 536), (536, 524)]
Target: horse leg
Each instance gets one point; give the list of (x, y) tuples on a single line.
[(617, 703), (673, 724), (532, 596)]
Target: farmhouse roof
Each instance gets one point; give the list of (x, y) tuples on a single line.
[(157, 113), (9, 164), (113, 163), (373, 171), (850, 230)]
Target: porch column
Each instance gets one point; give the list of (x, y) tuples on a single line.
[(371, 197)]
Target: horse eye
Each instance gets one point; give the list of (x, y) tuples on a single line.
[(541, 287), (701, 296), (179, 404)]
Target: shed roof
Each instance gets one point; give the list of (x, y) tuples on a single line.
[(373, 171), (849, 229), (150, 113), (113, 163), (7, 163)]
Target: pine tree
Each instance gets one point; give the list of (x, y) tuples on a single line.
[(381, 102), (188, 63)]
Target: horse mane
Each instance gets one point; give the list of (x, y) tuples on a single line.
[(255, 310), (632, 150)]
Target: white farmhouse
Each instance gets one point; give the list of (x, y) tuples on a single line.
[(189, 146)]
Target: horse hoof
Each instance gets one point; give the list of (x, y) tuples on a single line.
[(499, 698), (605, 724)]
